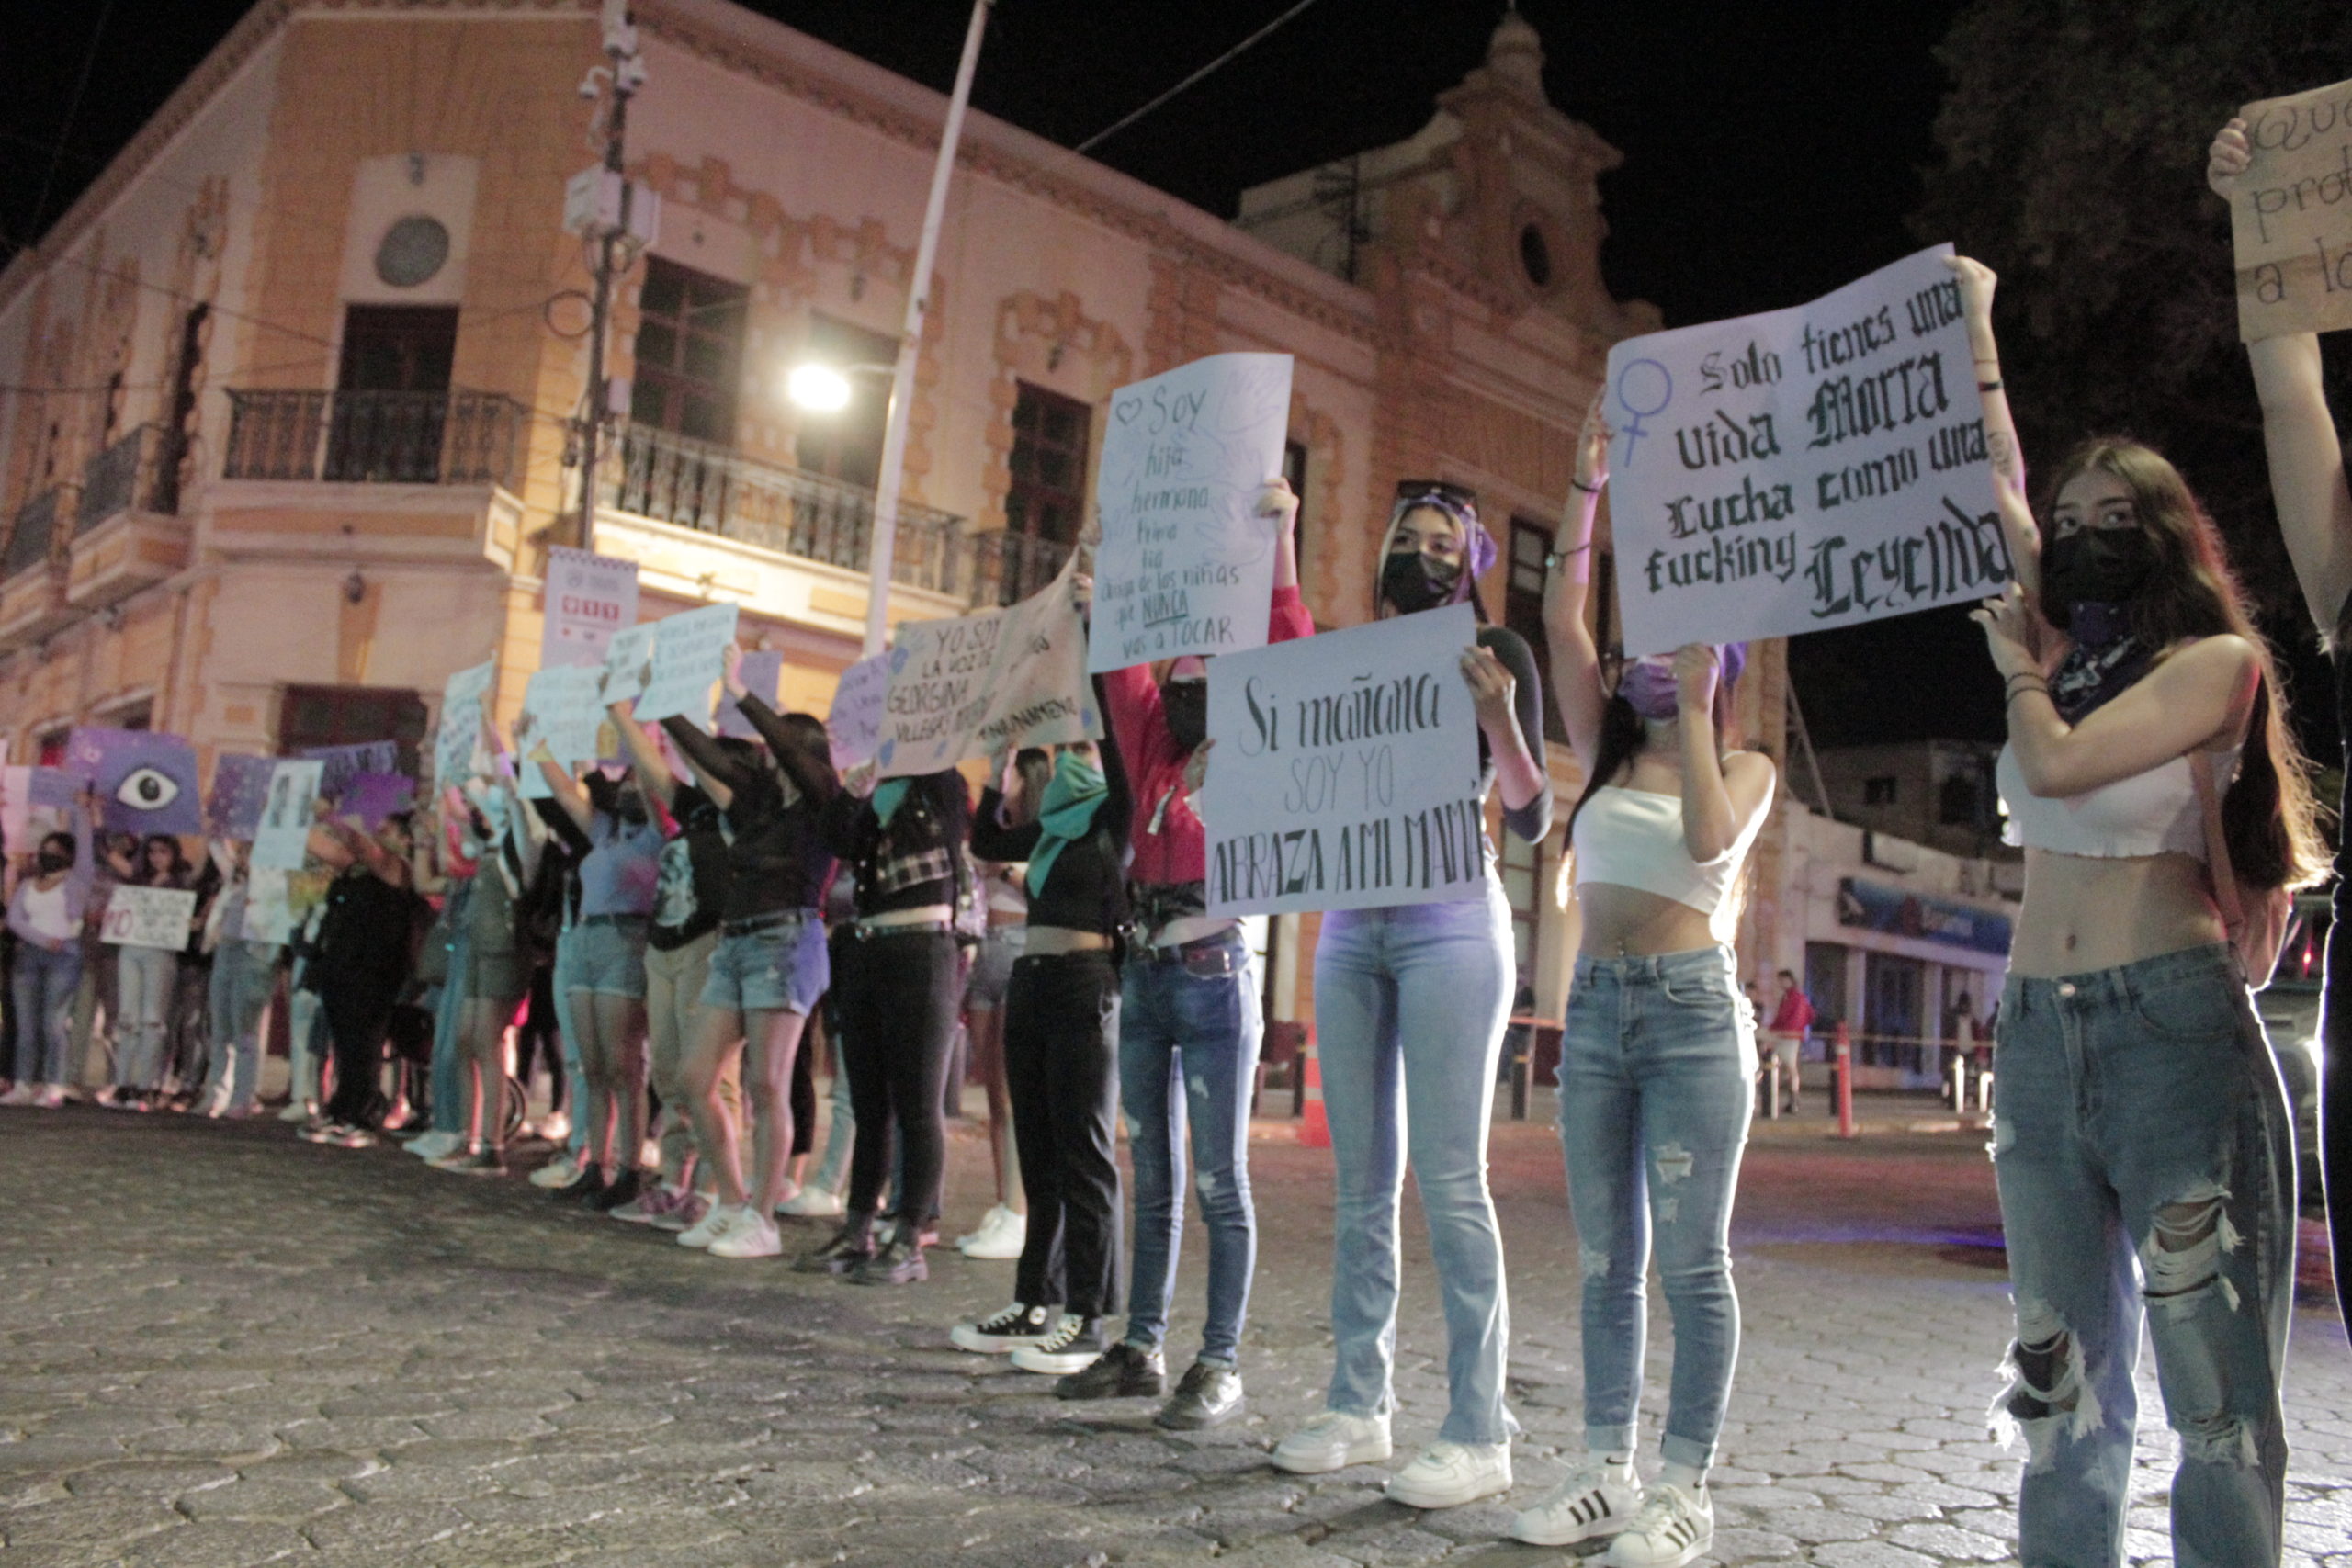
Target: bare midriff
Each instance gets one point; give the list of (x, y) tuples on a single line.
[(2088, 912), (1629, 922), (1045, 941)]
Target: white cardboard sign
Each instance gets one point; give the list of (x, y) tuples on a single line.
[(977, 684), (1346, 771), (1185, 564), (282, 839), (589, 597), (625, 657), (560, 704), (2290, 214), (854, 724), (147, 917), (1802, 468), (689, 655), (464, 700)]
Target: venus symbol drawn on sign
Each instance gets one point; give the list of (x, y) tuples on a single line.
[(1658, 379)]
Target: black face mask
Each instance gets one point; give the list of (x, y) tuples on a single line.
[(1186, 704), (2095, 565), (1414, 582), (51, 862)]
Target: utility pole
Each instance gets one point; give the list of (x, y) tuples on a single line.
[(902, 380), (626, 74)]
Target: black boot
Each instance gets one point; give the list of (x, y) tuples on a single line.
[(851, 1245), (899, 1263), (1121, 1372)]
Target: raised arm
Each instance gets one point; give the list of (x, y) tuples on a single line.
[(1508, 697), (809, 768), (1576, 660), (711, 764), (2018, 526), (1721, 800), (564, 789), (645, 759), (992, 839)]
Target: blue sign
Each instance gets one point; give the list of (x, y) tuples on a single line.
[(1899, 912)]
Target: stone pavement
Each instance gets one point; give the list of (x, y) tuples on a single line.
[(221, 1346)]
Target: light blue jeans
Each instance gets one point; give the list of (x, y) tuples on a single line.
[(1655, 1067), (243, 975), (2146, 1167), (1409, 1008), (46, 986), (575, 1079), (144, 980), (1188, 1057)]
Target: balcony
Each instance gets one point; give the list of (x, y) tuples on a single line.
[(414, 438), (32, 588), (125, 535), (35, 534)]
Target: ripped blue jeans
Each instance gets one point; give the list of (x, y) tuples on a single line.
[(1657, 1065), (2147, 1168)]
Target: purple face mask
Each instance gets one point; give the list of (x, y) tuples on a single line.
[(1648, 683)]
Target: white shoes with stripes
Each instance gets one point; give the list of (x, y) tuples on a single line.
[(1672, 1527), (1598, 1500)]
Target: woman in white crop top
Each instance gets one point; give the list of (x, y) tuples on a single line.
[(2137, 1108), (1659, 1058)]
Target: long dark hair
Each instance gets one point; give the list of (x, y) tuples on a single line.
[(1623, 735), (2270, 818)]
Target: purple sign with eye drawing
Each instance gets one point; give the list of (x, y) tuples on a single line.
[(146, 782)]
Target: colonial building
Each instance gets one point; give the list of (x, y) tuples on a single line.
[(292, 386)]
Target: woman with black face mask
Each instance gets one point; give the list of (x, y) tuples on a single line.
[(46, 914), (1410, 1004), (2143, 1147)]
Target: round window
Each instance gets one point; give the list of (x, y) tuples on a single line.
[(413, 251), (1536, 255)]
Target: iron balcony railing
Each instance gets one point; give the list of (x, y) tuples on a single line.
[(1007, 567), (452, 438), (34, 533), (696, 484), (127, 477)]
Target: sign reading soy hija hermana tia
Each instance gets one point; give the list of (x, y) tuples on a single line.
[(1802, 468), (2290, 214), (1186, 565), (1346, 771)]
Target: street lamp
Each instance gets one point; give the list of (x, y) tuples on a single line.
[(820, 388)]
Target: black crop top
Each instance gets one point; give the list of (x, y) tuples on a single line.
[(776, 855), (1087, 888), (914, 862)]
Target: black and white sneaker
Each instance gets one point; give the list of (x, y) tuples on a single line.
[(1071, 1346), (1597, 1500), (1005, 1332), (1673, 1527)]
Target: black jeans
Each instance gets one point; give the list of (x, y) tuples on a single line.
[(358, 1017), (1061, 1069), (895, 998)]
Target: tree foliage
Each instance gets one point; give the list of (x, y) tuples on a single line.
[(2073, 141)]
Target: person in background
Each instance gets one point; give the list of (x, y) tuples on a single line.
[(1190, 1029), (503, 840), (367, 948), (1791, 1022), (1410, 1005), (242, 977), (819, 1197), (46, 915), (1005, 1226), (146, 978)]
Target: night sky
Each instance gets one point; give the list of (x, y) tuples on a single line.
[(1771, 153)]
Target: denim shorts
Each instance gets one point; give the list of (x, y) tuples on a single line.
[(776, 965), (992, 970), (608, 956)]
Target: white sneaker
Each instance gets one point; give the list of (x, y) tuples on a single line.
[(1004, 1332), (23, 1094), (557, 1172), (1446, 1475), (296, 1111), (746, 1233), (1333, 1440), (1597, 1500), (812, 1204), (50, 1097), (433, 1145), (704, 1231), (1672, 1527), (555, 1126), (1001, 1236), (1070, 1346)]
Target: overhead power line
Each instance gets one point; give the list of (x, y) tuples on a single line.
[(1115, 127)]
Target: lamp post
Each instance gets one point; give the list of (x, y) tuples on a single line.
[(902, 380)]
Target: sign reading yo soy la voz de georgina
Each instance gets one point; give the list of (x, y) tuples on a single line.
[(1802, 468), (1346, 771)]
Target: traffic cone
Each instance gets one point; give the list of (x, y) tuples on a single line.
[(1314, 1128)]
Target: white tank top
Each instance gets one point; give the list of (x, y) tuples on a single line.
[(1632, 838), (2153, 813)]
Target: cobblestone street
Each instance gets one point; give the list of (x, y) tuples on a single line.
[(220, 1346)]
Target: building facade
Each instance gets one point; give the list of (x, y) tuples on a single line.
[(293, 386), (1937, 793)]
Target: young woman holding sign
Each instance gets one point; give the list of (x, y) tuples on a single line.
[(146, 978), (2143, 1150), (1658, 1057), (2315, 514), (1410, 1003)]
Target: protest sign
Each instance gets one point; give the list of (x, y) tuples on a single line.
[(1803, 469), (146, 780), (590, 597), (762, 672), (284, 831), (1346, 771), (689, 651), (853, 724), (626, 659), (977, 684), (268, 915), (560, 707), (16, 807), (2290, 214), (1185, 564), (240, 790), (464, 700), (147, 916), (374, 798), (52, 788), (347, 763)]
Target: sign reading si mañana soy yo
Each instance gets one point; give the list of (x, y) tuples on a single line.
[(1346, 771), (1803, 469)]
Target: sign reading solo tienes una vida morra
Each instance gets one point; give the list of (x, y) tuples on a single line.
[(1803, 469)]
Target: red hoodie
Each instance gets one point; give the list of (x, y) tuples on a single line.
[(1169, 843)]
